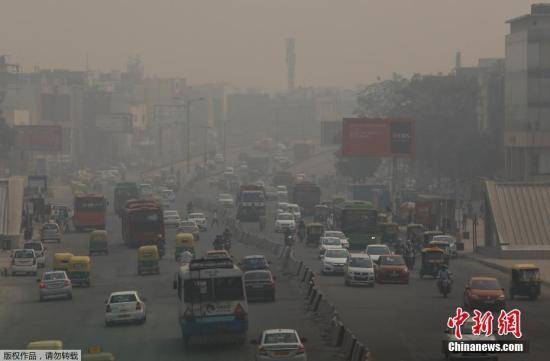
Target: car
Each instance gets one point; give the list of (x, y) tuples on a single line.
[(281, 345), (452, 248), (325, 242), (285, 221), (282, 196), (218, 158), (50, 232), (334, 260), (200, 220), (24, 261), (171, 218), (339, 234), (391, 269), (125, 306), (225, 200), (281, 188), (146, 190), (55, 284), (295, 210), (189, 226), (39, 251), (259, 284), (218, 254), (254, 262), (300, 177), (377, 250), (467, 335), (168, 194), (229, 171), (359, 270), (484, 293)]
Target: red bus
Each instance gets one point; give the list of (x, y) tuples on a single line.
[(89, 211), (143, 224)]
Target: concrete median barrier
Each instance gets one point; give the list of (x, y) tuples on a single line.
[(325, 311), (348, 343), (312, 295), (358, 352)]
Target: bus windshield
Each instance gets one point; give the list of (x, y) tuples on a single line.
[(143, 221), (213, 290), (364, 220), (90, 204)]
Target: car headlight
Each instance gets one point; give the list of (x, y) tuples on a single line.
[(475, 297), (501, 297)]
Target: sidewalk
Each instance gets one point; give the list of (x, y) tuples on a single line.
[(500, 264)]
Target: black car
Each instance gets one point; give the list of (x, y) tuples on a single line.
[(255, 262), (260, 285)]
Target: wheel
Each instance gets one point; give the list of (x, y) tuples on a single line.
[(142, 321)]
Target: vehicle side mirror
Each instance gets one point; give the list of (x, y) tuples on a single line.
[(303, 339), (253, 342), (175, 284)]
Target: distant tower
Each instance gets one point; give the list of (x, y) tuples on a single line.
[(458, 60), (290, 63)]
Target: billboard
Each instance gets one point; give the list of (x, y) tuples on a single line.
[(38, 137), (114, 122), (363, 137), (331, 132)]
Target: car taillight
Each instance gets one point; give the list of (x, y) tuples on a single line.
[(108, 308), (138, 305), (301, 349), (239, 312), (262, 351), (42, 285), (405, 270)]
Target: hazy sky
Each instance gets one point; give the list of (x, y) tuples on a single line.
[(241, 42)]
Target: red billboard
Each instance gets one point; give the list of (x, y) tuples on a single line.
[(38, 137), (363, 137)]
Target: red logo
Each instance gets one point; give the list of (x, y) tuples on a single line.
[(508, 323)]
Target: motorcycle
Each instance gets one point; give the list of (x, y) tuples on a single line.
[(289, 240), (444, 286)]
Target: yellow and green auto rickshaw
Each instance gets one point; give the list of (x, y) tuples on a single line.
[(184, 242), (314, 231), (61, 261), (79, 270), (432, 260), (525, 281), (45, 345), (148, 260), (98, 242)]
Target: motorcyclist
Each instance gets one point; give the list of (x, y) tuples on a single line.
[(409, 254), (186, 257), (443, 273), (218, 242), (288, 237), (301, 230), (226, 235)]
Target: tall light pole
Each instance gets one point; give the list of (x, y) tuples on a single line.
[(188, 103)]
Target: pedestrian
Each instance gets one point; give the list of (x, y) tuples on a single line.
[(215, 219)]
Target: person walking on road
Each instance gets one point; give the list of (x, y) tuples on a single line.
[(215, 219)]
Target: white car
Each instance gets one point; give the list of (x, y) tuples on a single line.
[(225, 200), (338, 234), (453, 252), (467, 335), (333, 260), (200, 220), (280, 345), (24, 261), (359, 270), (295, 210), (125, 306), (281, 189), (377, 250), (39, 251), (171, 218), (285, 221), (326, 242), (282, 196)]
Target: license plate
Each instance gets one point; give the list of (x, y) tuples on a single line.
[(124, 315), (280, 353)]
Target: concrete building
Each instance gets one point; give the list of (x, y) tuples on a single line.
[(527, 96)]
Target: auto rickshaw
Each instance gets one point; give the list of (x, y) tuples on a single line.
[(321, 213), (79, 270), (525, 281), (61, 261), (389, 232), (432, 260), (445, 246), (184, 242), (148, 260), (98, 242), (314, 231), (415, 232), (45, 345), (428, 236)]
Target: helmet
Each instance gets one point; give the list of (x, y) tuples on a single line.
[(444, 266)]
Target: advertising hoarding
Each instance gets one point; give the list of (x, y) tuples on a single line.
[(38, 137), (363, 137)]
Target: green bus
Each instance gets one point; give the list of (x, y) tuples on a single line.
[(359, 222)]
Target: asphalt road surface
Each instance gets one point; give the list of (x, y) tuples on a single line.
[(80, 322)]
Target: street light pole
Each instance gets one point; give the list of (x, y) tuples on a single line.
[(188, 103)]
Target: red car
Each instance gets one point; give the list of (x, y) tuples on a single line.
[(484, 293), (391, 269)]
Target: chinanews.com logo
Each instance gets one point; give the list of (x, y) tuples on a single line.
[(478, 333)]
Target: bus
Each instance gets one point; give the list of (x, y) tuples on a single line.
[(89, 211), (212, 302), (143, 223), (359, 222), (124, 191)]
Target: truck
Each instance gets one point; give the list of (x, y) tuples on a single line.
[(250, 202), (143, 223), (378, 194), (307, 195), (124, 191), (89, 211)]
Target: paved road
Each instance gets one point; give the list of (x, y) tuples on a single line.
[(80, 322)]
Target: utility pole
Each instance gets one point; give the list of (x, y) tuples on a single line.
[(188, 103)]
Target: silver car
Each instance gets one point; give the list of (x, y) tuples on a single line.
[(55, 284), (51, 232)]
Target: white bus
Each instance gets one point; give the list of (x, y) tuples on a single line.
[(212, 301)]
